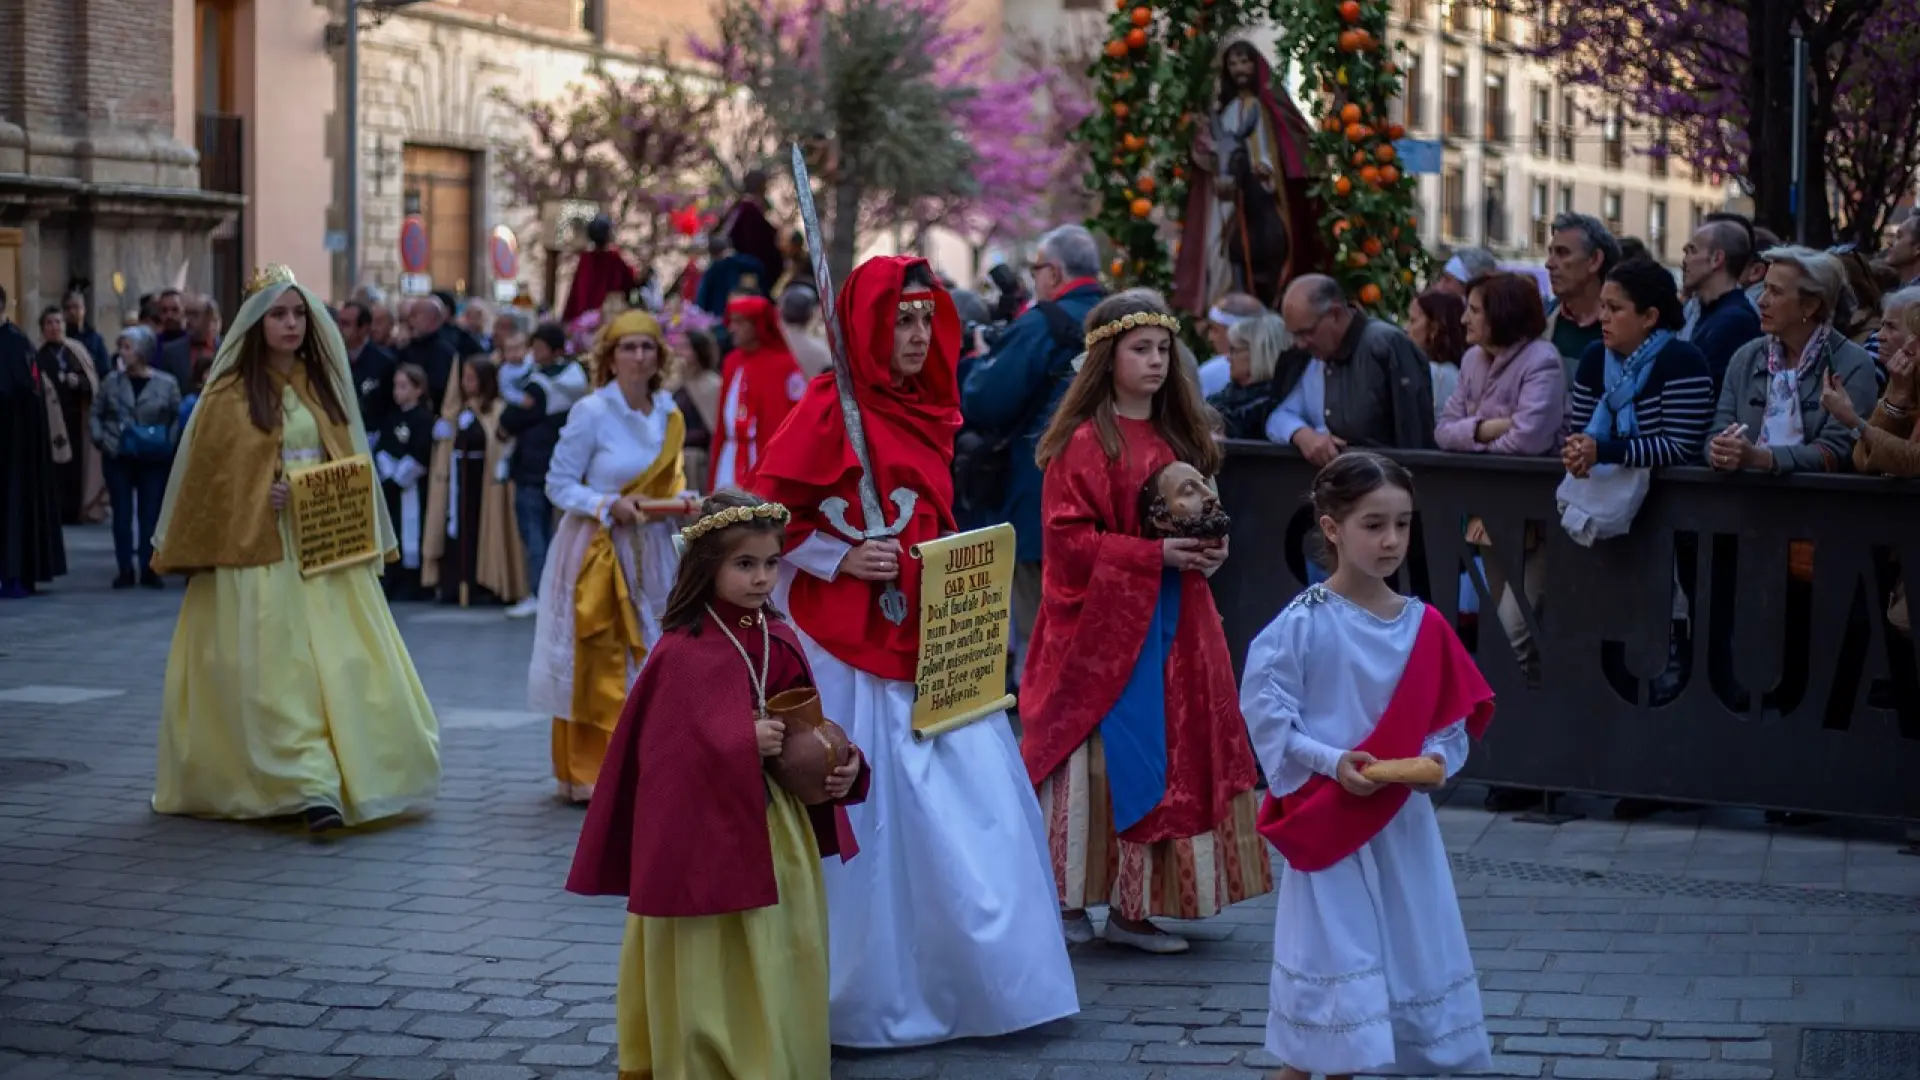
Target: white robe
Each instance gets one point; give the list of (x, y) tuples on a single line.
[(947, 924), (1371, 970)]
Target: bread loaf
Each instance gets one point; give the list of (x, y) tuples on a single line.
[(1414, 770)]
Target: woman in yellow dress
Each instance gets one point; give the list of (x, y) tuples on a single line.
[(285, 694), (610, 566)]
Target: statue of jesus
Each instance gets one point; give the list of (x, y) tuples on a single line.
[(1249, 224)]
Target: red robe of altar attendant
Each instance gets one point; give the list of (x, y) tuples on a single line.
[(758, 388), (600, 273), (1100, 582), (678, 822)]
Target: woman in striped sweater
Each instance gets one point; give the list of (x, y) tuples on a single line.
[(1641, 397)]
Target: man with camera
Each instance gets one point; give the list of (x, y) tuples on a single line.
[(1009, 397)]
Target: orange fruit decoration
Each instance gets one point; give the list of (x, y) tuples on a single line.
[(1384, 152), (1341, 226), (1331, 123), (1364, 40), (1350, 11), (1121, 5), (1396, 131), (1359, 158), (1133, 143), (1349, 113), (1142, 16), (1389, 175), (1136, 39), (1369, 294), (1117, 49), (1117, 267), (1120, 110), (1406, 276), (1349, 40), (1371, 176), (1142, 207), (1342, 185), (1356, 132), (1179, 172), (1372, 245), (1146, 184), (1357, 260), (1193, 32)]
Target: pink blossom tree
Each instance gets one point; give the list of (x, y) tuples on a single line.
[(902, 117), (1719, 72)]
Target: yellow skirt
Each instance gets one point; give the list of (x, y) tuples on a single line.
[(283, 692), (578, 752), (741, 996)]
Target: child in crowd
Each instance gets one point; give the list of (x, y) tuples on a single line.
[(1352, 685), (723, 971), (402, 450)]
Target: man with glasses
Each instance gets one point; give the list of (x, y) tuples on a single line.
[(1010, 396), (1367, 384)]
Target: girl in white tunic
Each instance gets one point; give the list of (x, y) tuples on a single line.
[(609, 568), (1371, 971)]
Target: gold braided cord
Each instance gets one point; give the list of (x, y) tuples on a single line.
[(1131, 322), (735, 515)]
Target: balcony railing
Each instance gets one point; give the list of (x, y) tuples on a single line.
[(1566, 143), (1542, 138), (221, 140)]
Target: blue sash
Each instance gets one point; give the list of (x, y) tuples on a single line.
[(1134, 734)]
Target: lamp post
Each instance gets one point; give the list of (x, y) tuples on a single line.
[(353, 144), (1797, 193)]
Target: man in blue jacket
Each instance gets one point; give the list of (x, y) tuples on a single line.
[(1014, 391)]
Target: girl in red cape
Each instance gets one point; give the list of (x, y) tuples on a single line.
[(1371, 972), (946, 927), (759, 383), (723, 970), (1132, 732)]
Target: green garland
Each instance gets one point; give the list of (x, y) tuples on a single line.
[(1156, 79)]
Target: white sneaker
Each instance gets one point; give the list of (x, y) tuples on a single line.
[(1078, 931), (525, 609), (1160, 943)]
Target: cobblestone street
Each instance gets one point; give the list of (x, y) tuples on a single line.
[(1685, 947)]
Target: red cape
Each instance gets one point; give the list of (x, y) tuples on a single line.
[(774, 383), (1293, 136), (698, 843), (600, 273), (910, 430), (1100, 580), (1321, 823)]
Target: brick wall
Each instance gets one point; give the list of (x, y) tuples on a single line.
[(13, 33), (549, 15), (121, 56), (643, 25), (48, 83)]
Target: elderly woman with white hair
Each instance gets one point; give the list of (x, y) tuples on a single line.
[(1263, 367), (1889, 439), (135, 422), (1770, 417)]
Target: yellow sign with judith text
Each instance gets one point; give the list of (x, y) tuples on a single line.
[(966, 610), (333, 515)]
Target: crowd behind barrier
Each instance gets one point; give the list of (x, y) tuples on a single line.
[(1786, 687)]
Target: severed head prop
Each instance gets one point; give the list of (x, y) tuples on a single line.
[(1176, 501)]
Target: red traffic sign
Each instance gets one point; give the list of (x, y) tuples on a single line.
[(504, 249), (413, 244)]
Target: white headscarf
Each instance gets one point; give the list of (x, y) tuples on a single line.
[(267, 286)]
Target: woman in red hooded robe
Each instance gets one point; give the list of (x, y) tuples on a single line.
[(947, 926), (759, 383)]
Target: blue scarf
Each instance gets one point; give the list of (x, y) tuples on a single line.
[(1614, 416), (1134, 733)]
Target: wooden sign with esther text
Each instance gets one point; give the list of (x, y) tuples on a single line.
[(966, 610), (334, 521)]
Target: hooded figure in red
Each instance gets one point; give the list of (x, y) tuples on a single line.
[(759, 383), (1264, 234), (911, 421)]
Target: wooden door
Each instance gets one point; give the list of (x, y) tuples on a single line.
[(439, 188)]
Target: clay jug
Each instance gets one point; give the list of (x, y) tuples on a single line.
[(814, 745)]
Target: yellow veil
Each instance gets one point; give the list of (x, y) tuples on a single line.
[(267, 286)]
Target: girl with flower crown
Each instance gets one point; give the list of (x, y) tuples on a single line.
[(723, 971), (1132, 734), (285, 694)]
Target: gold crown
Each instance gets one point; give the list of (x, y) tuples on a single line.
[(269, 275), (734, 515), (1131, 322)]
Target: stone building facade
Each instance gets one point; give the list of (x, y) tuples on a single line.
[(98, 173)]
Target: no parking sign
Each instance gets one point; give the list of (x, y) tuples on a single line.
[(413, 244)]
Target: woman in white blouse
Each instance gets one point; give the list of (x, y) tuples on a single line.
[(610, 567)]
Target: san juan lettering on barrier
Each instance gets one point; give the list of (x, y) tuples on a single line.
[(333, 515), (966, 605)]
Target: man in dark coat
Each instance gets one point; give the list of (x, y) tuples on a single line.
[(32, 551), (371, 363)]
